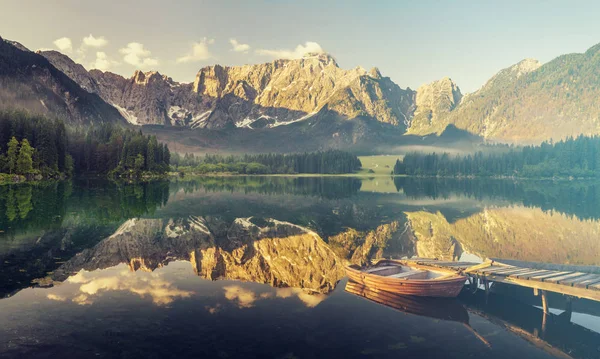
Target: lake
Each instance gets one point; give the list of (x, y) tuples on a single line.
[(253, 267)]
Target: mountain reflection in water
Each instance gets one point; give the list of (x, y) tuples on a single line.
[(252, 267)]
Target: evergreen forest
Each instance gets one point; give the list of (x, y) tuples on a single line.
[(572, 157)]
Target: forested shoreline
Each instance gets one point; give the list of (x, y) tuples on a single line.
[(573, 157), (33, 147), (322, 162)]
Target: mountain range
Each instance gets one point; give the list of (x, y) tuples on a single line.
[(310, 103)]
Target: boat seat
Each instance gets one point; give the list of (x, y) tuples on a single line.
[(414, 274), (378, 269)]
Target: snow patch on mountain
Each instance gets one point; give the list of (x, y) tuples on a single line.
[(245, 123), (305, 117), (178, 115), (199, 120), (129, 116)]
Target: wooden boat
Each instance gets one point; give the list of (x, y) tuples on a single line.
[(407, 278)]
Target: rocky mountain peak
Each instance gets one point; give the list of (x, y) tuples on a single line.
[(433, 101), (507, 76), (139, 77), (72, 69), (145, 78), (16, 44), (442, 95), (251, 96), (211, 80), (375, 73), (31, 81), (525, 66), (322, 57)]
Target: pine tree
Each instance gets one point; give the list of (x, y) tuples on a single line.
[(166, 156), (139, 162), (12, 154), (151, 155), (25, 160)]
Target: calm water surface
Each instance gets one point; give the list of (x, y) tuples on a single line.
[(252, 267)]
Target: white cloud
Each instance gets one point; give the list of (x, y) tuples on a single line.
[(102, 62), (238, 47), (200, 52), (151, 285), (245, 298), (137, 55), (64, 44), (91, 41), (56, 297), (297, 53), (310, 300)]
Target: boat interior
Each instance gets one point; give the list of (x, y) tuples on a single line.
[(405, 272)]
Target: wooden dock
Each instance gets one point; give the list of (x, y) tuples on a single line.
[(574, 281)]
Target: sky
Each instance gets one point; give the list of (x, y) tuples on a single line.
[(412, 42)]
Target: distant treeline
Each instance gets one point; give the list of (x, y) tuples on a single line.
[(576, 157), (109, 149), (33, 145), (327, 162)]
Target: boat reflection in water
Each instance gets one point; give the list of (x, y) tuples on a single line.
[(555, 334), (437, 308)]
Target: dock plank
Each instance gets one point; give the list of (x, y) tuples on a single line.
[(558, 280), (587, 277), (506, 269), (529, 274), (587, 283), (513, 271), (574, 281), (491, 268), (542, 278)]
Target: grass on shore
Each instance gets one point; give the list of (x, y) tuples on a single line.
[(380, 165)]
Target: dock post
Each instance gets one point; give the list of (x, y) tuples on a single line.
[(544, 321), (544, 302), (545, 312), (568, 308), (473, 283), (486, 285)]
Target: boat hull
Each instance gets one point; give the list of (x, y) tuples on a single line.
[(438, 308), (447, 287)]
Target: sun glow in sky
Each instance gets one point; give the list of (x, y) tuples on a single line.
[(411, 42)]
